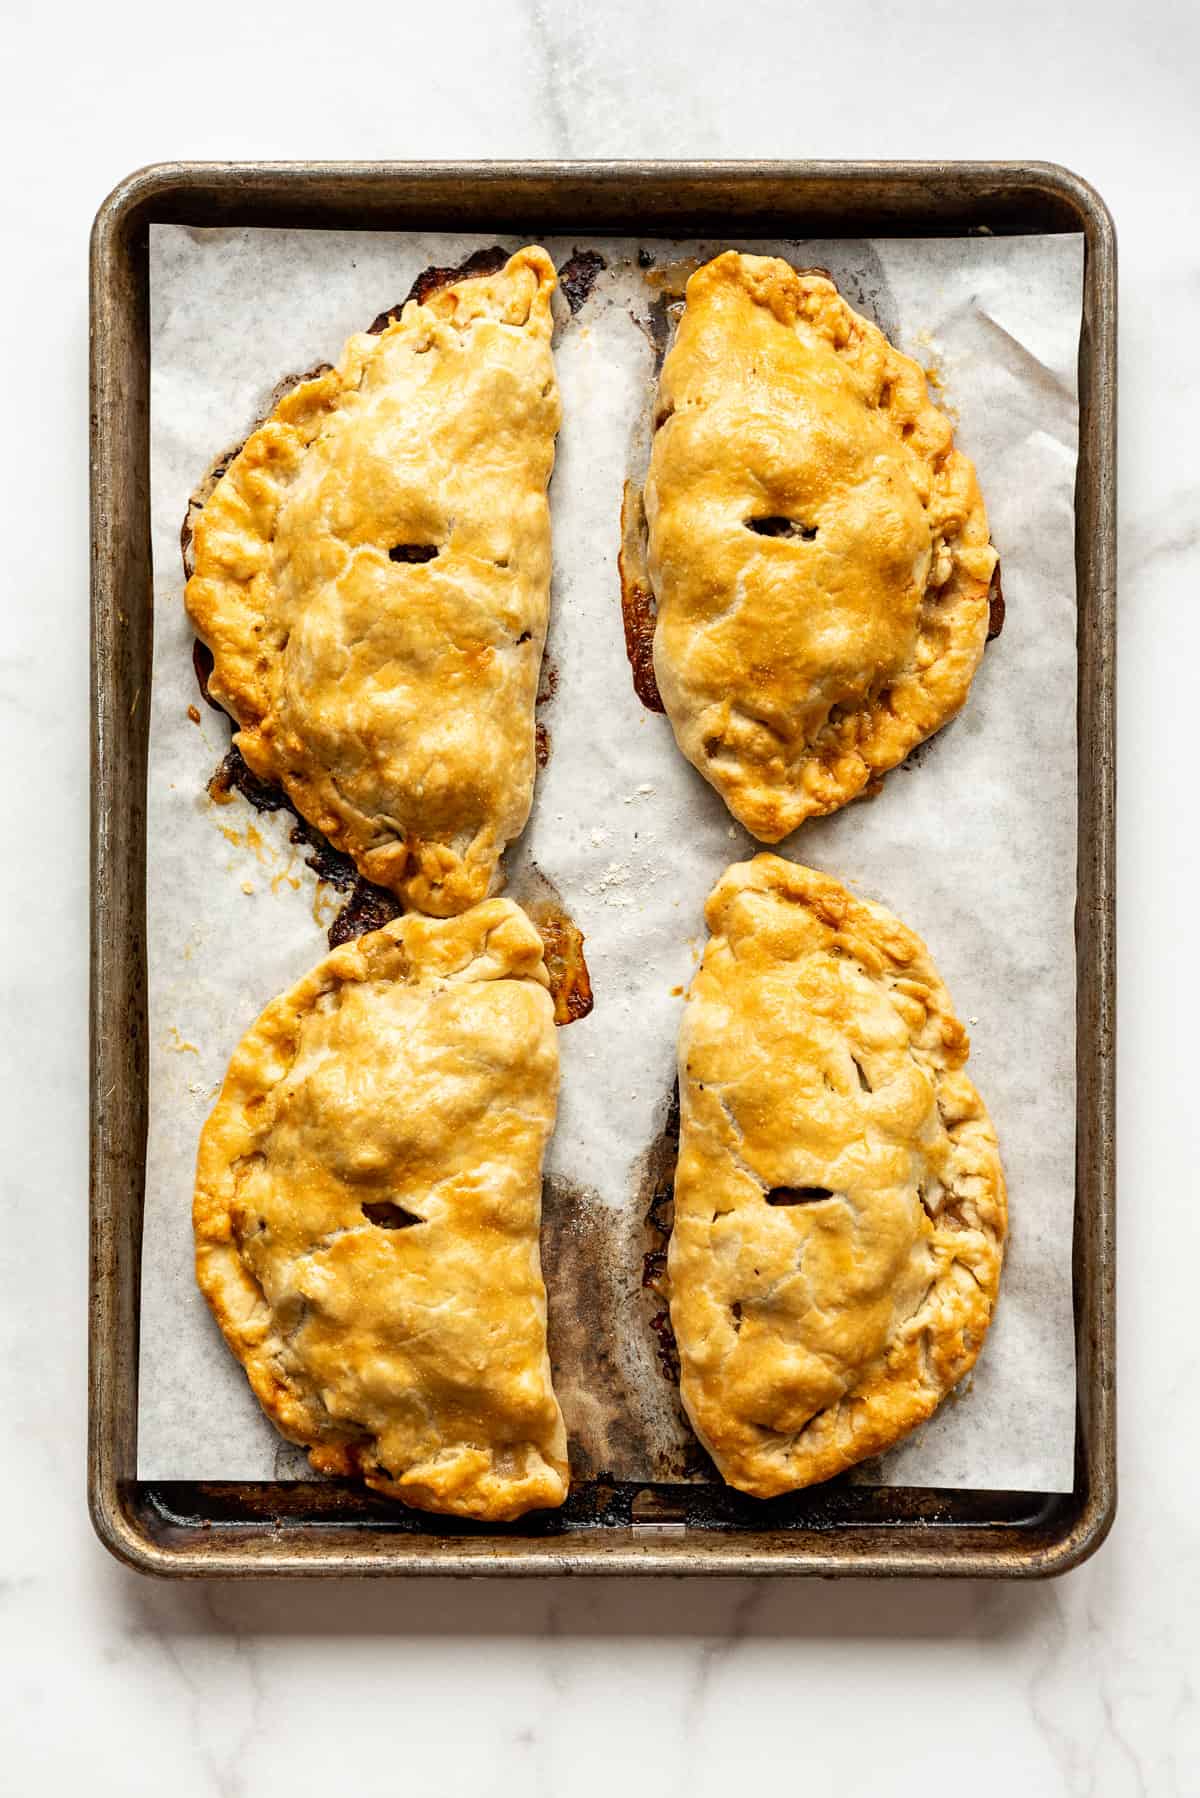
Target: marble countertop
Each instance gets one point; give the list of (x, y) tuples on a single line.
[(116, 1684)]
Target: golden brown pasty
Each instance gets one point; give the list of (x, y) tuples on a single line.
[(817, 547), (839, 1200), (368, 1198), (372, 577)]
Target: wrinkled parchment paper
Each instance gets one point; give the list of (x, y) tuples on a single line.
[(973, 845)]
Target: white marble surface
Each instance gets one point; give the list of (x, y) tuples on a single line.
[(111, 1684)]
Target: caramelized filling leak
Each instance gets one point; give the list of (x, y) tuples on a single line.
[(782, 527), (659, 1219), (368, 908), (412, 552), (562, 944), (233, 776), (387, 1215), (638, 611), (995, 606), (668, 1353)]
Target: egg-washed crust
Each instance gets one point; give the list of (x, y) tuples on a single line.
[(372, 577), (798, 668), (840, 1205), (367, 1209)]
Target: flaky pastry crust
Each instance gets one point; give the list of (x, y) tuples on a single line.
[(817, 547), (372, 577), (840, 1206), (368, 1200)]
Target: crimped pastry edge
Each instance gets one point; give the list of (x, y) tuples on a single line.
[(926, 1358), (851, 754), (463, 1484)]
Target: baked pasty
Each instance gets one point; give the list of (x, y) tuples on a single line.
[(372, 577), (368, 1198), (817, 547), (839, 1200)]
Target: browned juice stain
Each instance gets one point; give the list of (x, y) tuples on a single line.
[(668, 1353), (584, 1288), (670, 279), (541, 745), (657, 1196), (194, 714), (367, 908), (547, 680), (250, 839), (614, 1425), (664, 308), (638, 610), (286, 877), (562, 943)]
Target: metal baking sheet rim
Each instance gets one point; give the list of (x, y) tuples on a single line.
[(232, 1531)]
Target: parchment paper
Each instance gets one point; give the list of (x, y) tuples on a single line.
[(973, 843)]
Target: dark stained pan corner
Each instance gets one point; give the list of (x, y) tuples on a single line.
[(328, 1528)]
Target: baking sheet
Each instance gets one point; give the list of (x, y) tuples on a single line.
[(974, 845)]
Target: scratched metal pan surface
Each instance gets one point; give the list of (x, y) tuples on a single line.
[(316, 1528)]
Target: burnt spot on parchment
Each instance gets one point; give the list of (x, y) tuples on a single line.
[(586, 1327), (657, 322), (578, 275), (655, 1203), (327, 863), (656, 1207), (623, 1420), (479, 262), (234, 776), (368, 908)]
